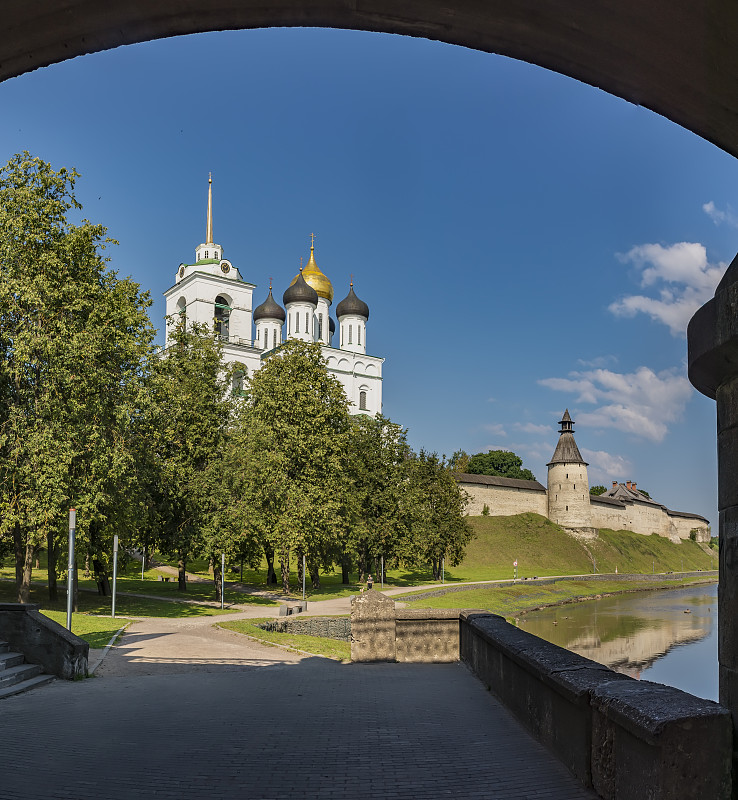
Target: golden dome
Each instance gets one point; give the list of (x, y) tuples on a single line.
[(315, 278)]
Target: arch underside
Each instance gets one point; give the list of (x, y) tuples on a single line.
[(676, 58)]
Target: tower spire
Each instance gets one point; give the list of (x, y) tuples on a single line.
[(209, 231)]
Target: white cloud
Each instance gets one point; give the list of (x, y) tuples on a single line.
[(599, 361), (682, 278), (641, 403), (604, 467), (530, 427), (497, 429), (718, 216)]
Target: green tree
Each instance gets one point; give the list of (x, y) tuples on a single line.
[(434, 508), (74, 339), (499, 462), (375, 469), (297, 437), (186, 419), (460, 461), (597, 490)]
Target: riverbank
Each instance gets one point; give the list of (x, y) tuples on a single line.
[(514, 600)]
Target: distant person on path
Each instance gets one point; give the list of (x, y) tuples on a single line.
[(369, 582)]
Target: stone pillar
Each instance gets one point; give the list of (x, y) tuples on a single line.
[(712, 339), (373, 627)]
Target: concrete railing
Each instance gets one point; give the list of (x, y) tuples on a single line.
[(43, 641), (624, 738)]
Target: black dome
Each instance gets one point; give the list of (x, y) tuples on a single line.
[(331, 325), (269, 309), (352, 305), (300, 292)]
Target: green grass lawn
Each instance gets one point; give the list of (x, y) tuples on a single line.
[(90, 603), (97, 631), (317, 645), (540, 547), (510, 600)]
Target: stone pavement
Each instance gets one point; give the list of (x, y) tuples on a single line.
[(183, 710)]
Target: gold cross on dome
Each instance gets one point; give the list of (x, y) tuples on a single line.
[(312, 240)]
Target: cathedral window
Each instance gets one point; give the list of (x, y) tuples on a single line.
[(297, 323), (349, 341), (307, 322), (362, 401), (320, 327), (215, 254), (274, 338), (358, 334), (222, 317), (266, 338), (206, 254), (237, 385)]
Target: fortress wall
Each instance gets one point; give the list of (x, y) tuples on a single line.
[(647, 519), (683, 526), (504, 501), (615, 519)]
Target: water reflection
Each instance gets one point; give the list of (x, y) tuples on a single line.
[(663, 636)]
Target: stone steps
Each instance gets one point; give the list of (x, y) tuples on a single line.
[(15, 675)]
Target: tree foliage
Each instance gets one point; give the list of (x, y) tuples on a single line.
[(597, 490), (499, 462), (73, 340)]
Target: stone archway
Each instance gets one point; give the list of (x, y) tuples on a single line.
[(679, 60), (676, 59)]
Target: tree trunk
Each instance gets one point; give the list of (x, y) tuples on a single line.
[(51, 555), (145, 557), (87, 559), (271, 574), (182, 575), (217, 572), (299, 571), (20, 552), (24, 592), (345, 571), (284, 563), (314, 577)]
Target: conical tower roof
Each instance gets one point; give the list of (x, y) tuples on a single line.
[(566, 451)]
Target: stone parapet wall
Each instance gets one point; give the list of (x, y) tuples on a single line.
[(380, 633), (624, 738), (327, 627), (427, 635)]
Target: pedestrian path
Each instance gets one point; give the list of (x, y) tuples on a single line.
[(180, 708)]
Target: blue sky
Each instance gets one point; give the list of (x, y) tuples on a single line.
[(525, 242)]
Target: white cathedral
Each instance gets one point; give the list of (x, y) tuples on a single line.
[(212, 292)]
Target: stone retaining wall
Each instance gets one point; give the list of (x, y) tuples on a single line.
[(43, 641), (622, 737), (327, 627)]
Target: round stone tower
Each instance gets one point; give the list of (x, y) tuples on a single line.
[(568, 483)]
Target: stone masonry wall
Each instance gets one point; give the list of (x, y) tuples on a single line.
[(504, 501), (327, 627)]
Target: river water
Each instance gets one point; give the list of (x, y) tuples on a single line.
[(665, 636)]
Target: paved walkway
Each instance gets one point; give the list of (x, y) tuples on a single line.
[(183, 710)]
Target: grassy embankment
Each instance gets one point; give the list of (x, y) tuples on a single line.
[(510, 600), (318, 645)]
